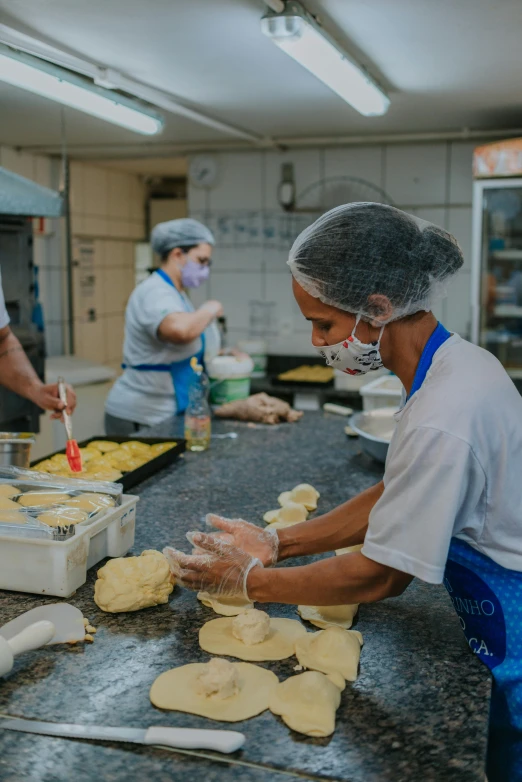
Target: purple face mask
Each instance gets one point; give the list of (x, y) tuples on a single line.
[(194, 274)]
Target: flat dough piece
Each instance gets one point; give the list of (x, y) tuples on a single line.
[(307, 703), (34, 499), (8, 491), (333, 650), (7, 504), (329, 616), (176, 690), (62, 517), (216, 637), (226, 606), (348, 550), (104, 446), (91, 502), (12, 517)]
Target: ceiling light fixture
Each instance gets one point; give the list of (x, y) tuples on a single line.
[(298, 34), (50, 81)]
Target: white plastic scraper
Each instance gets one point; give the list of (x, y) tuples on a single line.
[(67, 621), (34, 636)]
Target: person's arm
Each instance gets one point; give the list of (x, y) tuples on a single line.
[(343, 526), (348, 579), (18, 375), (184, 327)]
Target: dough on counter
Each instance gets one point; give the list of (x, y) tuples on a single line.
[(104, 446), (35, 499), (12, 517), (200, 688), (291, 513), (251, 627), (329, 616), (333, 650), (303, 494), (8, 491), (133, 583), (348, 550), (91, 502), (226, 606), (307, 703), (62, 517), (7, 504), (271, 516), (217, 637)]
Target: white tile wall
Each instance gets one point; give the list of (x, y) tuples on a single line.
[(432, 181)]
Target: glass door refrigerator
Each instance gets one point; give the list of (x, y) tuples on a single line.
[(497, 253)]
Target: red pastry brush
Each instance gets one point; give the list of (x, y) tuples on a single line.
[(72, 450)]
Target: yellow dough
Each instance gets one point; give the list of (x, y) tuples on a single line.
[(183, 689), (12, 517), (62, 517), (91, 502), (6, 503), (291, 513), (137, 448), (271, 516), (33, 499), (99, 463), (303, 494), (159, 448), (8, 491), (333, 650), (104, 446), (348, 550), (133, 583), (105, 474), (329, 616), (307, 703), (226, 606), (216, 637)]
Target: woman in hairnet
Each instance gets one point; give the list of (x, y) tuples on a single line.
[(163, 331), (450, 506)]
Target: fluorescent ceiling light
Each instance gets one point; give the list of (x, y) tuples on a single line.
[(43, 78), (297, 33)]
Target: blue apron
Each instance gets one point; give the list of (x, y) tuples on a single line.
[(181, 372), (488, 600)]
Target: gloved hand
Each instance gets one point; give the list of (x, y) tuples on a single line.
[(260, 543), (221, 570)]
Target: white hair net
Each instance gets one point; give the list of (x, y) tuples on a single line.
[(185, 232), (361, 250)]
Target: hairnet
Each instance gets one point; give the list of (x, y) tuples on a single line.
[(179, 233), (361, 249)]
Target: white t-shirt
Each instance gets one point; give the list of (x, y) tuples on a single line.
[(4, 317), (148, 397), (454, 468)]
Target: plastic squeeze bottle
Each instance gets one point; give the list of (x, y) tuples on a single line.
[(197, 414)]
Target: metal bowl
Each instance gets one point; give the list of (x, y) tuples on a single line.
[(15, 448), (375, 429)]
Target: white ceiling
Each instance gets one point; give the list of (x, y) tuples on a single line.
[(448, 65)]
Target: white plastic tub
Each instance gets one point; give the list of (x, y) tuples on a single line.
[(386, 391), (51, 567)]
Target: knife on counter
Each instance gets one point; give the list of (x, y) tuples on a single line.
[(179, 738)]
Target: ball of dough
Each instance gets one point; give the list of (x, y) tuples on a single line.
[(159, 448), (226, 606), (251, 627), (329, 616), (6, 503), (219, 678), (104, 446), (12, 517), (333, 650), (91, 502), (34, 499), (180, 690), (133, 583), (307, 703), (217, 637), (62, 517), (8, 491)]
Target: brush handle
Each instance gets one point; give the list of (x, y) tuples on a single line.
[(62, 393)]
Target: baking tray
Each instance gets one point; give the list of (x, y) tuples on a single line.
[(134, 477)]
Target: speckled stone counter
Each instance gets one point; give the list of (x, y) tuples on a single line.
[(418, 710)]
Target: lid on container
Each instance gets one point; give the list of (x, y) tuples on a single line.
[(225, 367), (252, 346), (17, 437)]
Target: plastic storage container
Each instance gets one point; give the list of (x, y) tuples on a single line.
[(54, 567), (229, 379), (385, 391)]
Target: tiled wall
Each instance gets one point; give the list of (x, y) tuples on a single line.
[(432, 181), (108, 220)]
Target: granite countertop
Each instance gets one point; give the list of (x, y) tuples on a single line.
[(418, 710)]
